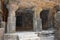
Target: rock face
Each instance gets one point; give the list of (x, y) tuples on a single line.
[(57, 24), (46, 35), (0, 19), (10, 37), (1, 33), (37, 4)]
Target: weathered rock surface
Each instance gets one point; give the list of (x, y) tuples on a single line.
[(1, 33), (31, 36), (10, 37), (57, 25)]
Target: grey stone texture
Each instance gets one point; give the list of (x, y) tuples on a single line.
[(57, 25), (0, 18), (1, 33), (10, 37), (11, 24)]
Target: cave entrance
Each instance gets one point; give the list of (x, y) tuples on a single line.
[(24, 20)]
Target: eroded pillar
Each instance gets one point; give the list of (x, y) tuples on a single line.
[(57, 25), (11, 25), (37, 20)]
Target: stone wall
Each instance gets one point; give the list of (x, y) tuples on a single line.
[(37, 4)]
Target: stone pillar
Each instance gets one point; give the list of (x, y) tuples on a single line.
[(0, 18), (34, 24), (39, 24), (0, 14), (57, 25), (2, 23), (34, 20), (11, 25), (1, 33), (37, 20)]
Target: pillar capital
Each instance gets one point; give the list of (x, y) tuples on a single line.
[(12, 7)]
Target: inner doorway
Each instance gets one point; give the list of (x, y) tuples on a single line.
[(44, 16), (24, 19)]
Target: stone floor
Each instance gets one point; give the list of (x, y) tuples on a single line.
[(34, 35)]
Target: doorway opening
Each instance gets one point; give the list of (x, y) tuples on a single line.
[(24, 19), (44, 16)]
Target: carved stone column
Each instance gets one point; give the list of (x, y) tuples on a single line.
[(11, 25), (34, 20), (37, 20), (57, 25)]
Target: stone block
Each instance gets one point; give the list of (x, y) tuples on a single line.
[(10, 37), (1, 33), (3, 25)]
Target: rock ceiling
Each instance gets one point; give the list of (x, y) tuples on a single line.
[(36, 3)]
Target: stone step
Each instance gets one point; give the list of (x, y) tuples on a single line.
[(47, 38), (23, 35), (32, 38), (10, 37), (33, 35)]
